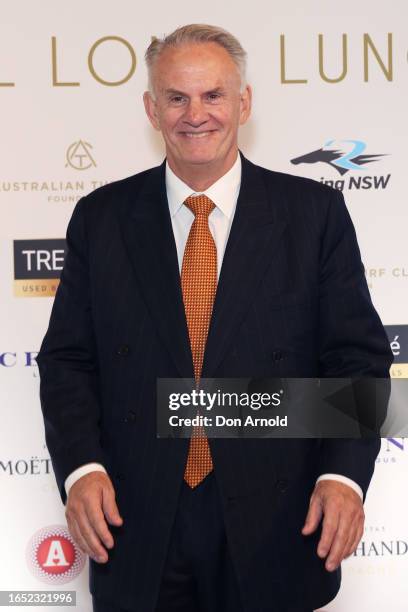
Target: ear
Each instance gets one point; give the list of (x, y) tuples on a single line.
[(246, 104), (151, 109)]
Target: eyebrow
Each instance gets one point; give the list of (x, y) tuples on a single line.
[(175, 92)]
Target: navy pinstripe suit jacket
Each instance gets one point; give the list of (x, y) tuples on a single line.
[(292, 300)]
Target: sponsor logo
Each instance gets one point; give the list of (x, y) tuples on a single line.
[(10, 359), (346, 156), (33, 466), (53, 557), (339, 158), (375, 275), (22, 359), (79, 156), (59, 192), (398, 338), (376, 544), (37, 266)]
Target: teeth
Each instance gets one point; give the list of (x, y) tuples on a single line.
[(196, 134)]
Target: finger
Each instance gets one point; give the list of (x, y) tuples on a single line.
[(339, 543), (357, 538), (91, 538), (97, 521), (358, 525), (348, 549), (314, 516), (330, 525), (110, 508), (78, 539), (73, 530)]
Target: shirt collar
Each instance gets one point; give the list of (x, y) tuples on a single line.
[(223, 193)]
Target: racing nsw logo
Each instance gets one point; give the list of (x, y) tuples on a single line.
[(347, 156)]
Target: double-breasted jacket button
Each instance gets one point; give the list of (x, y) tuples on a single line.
[(130, 417), (123, 350)]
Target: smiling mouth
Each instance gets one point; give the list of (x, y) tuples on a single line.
[(197, 134)]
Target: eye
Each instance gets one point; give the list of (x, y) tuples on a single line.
[(177, 100), (213, 96)]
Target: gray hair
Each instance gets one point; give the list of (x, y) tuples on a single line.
[(197, 33)]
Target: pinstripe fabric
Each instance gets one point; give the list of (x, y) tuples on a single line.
[(199, 284)]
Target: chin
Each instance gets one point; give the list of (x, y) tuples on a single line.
[(200, 160), (199, 157)]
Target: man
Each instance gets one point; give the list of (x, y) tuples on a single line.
[(206, 266)]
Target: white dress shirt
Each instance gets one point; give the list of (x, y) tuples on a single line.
[(224, 194)]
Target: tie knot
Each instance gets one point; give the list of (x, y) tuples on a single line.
[(200, 205)]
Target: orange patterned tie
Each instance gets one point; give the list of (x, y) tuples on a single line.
[(199, 284)]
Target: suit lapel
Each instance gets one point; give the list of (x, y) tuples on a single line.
[(255, 231), (148, 236)]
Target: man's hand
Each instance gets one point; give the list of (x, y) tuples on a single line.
[(91, 499), (343, 521)]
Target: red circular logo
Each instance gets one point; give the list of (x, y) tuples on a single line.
[(53, 556)]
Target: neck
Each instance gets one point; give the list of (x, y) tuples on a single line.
[(201, 176)]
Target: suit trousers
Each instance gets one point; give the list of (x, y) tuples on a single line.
[(198, 574)]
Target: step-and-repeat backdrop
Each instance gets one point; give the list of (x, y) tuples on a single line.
[(330, 103)]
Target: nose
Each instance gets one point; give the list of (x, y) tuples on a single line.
[(196, 113)]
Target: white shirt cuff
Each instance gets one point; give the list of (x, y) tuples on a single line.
[(81, 471), (347, 481)]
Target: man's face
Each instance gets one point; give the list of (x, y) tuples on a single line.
[(198, 105)]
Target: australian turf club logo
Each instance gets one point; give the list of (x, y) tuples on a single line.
[(53, 557)]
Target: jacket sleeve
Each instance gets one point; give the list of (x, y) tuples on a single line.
[(352, 340), (68, 363)]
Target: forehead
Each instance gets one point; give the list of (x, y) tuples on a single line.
[(190, 65)]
